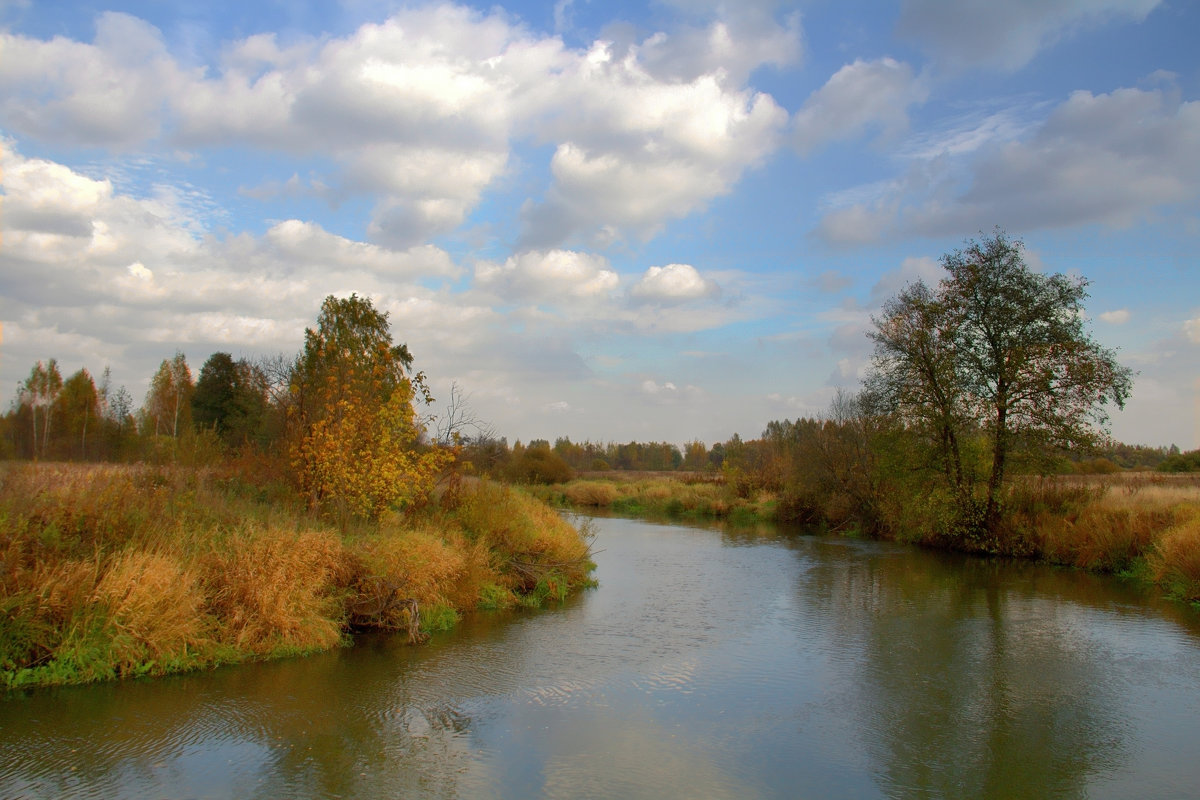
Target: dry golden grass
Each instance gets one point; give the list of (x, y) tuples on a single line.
[(278, 592), (154, 609), (1108, 522), (1175, 561), (111, 571), (596, 494), (421, 563)]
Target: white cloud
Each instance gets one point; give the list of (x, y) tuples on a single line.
[(138, 280), (1110, 158), (634, 152), (109, 93), (673, 283), (1116, 317), (859, 96), (308, 244), (1006, 35), (668, 393), (1191, 329), (911, 270), (421, 112), (548, 275), (652, 388), (743, 39)]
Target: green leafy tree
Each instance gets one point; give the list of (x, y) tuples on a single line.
[(230, 399), (999, 353), (355, 435)]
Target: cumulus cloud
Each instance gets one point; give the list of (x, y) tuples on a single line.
[(421, 112), (1116, 317), (674, 283), (1007, 36), (860, 96), (80, 256), (1108, 158), (109, 93), (551, 274), (744, 37), (634, 152)]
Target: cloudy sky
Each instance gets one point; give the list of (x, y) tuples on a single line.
[(607, 220)]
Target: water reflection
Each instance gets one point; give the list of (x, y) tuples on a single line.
[(743, 662)]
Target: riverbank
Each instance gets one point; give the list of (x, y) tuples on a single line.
[(115, 571), (1140, 525)]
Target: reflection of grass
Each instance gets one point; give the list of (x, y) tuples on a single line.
[(657, 495), (112, 571)]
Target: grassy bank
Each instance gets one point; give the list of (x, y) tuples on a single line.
[(692, 496), (1140, 525), (116, 571)]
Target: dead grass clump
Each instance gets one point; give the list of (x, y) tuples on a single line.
[(1175, 561), (40, 606), (277, 592), (656, 492), (527, 539), (155, 610), (595, 494), (420, 563)]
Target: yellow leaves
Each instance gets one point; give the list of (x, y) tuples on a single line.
[(364, 460)]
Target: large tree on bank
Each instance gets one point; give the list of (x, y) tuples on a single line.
[(999, 350)]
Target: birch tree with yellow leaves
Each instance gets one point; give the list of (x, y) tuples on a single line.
[(354, 436)]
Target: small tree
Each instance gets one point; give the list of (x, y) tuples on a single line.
[(354, 432), (168, 408), (230, 399), (79, 408), (999, 351), (39, 392)]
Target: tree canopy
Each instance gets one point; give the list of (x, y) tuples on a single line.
[(996, 351)]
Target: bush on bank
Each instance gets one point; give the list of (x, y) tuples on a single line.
[(117, 571)]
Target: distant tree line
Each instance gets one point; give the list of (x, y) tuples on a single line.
[(338, 421)]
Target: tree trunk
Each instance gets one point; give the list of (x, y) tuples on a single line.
[(999, 458)]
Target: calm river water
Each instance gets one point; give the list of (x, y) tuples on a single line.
[(708, 664)]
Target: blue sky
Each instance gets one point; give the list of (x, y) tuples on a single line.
[(611, 220)]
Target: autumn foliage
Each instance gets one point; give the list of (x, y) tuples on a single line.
[(355, 441)]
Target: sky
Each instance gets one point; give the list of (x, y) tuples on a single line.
[(611, 221)]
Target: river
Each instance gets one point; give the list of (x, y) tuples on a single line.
[(708, 664)]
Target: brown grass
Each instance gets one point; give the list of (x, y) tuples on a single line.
[(277, 592), (595, 494), (112, 571), (1108, 523), (154, 609), (1175, 562)]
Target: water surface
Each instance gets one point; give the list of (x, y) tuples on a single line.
[(708, 664)]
